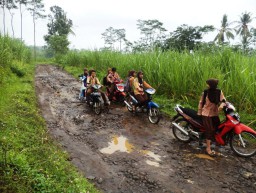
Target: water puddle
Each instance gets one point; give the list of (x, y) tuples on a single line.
[(151, 154), (122, 144), (190, 181), (118, 144), (152, 163)]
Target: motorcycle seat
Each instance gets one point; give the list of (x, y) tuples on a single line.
[(193, 114)]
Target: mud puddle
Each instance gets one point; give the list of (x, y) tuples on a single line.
[(119, 152)]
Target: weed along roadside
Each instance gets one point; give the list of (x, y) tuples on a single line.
[(121, 152), (30, 161)]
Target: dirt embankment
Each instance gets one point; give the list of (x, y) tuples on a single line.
[(120, 152)]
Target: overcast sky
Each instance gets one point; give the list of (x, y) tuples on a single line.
[(92, 18)]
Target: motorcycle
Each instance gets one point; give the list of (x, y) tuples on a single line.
[(152, 109), (95, 100), (118, 93), (187, 125)]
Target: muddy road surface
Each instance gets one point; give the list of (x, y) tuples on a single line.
[(120, 152)]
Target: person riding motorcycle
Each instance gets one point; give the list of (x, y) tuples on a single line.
[(111, 78), (91, 80), (131, 77), (83, 77), (115, 74), (138, 88), (208, 108)]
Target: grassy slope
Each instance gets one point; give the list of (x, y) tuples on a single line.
[(29, 159)]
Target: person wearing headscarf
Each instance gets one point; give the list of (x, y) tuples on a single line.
[(138, 88), (208, 108)]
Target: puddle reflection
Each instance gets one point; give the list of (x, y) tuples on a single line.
[(151, 154), (118, 144), (122, 144), (151, 163)]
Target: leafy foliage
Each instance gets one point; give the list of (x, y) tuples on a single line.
[(186, 37), (224, 31), (59, 28)]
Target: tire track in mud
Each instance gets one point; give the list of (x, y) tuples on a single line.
[(149, 159)]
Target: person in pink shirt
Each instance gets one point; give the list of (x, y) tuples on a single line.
[(208, 108)]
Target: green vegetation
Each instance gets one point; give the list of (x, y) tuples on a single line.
[(30, 161), (180, 76)]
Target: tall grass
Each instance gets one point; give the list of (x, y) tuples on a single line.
[(12, 51), (182, 75)]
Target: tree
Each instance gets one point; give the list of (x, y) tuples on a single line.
[(111, 36), (224, 31), (153, 32), (59, 44), (10, 4), (36, 8), (186, 37), (243, 28), (21, 3), (120, 36), (59, 27)]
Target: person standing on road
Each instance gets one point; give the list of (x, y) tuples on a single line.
[(208, 109)]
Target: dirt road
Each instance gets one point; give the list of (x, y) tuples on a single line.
[(120, 152)]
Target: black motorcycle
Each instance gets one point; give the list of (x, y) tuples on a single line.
[(95, 100)]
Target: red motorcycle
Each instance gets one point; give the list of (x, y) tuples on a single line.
[(118, 93), (187, 125)]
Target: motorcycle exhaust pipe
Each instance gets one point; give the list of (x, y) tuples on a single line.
[(128, 104), (180, 128)]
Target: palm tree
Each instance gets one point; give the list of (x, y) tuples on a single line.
[(224, 31), (242, 28)]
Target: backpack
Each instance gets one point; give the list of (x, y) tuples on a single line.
[(127, 85), (105, 82), (205, 95)]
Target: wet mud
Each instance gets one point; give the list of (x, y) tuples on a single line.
[(121, 152)]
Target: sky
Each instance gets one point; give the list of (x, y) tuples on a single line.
[(92, 18)]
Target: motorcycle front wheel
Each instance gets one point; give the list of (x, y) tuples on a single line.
[(180, 135), (129, 101), (154, 115), (243, 144), (97, 108)]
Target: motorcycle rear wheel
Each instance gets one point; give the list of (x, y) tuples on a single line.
[(244, 146), (178, 134), (154, 116), (97, 108)]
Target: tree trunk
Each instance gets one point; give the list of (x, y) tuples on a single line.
[(120, 45), (20, 23), (12, 22), (34, 21), (4, 15)]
